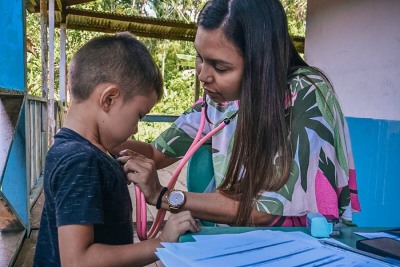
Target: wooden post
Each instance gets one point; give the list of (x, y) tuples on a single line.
[(63, 72), (50, 107), (44, 54), (43, 45)]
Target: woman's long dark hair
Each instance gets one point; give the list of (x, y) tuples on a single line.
[(261, 158)]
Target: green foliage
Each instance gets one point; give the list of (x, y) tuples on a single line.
[(33, 58), (34, 65), (296, 16), (174, 58), (148, 131)]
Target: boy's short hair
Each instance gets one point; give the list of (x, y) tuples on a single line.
[(119, 59)]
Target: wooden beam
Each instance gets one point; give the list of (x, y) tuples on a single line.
[(31, 5), (59, 4), (10, 92), (137, 19), (133, 31), (76, 2), (37, 8)]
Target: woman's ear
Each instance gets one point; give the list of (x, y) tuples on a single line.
[(109, 96)]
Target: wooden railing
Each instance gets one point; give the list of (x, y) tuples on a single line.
[(37, 140)]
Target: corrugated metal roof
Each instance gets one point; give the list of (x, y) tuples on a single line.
[(140, 26), (110, 23)]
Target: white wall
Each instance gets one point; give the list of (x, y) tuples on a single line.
[(6, 133), (357, 44)]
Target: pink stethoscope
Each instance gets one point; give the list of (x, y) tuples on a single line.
[(141, 211)]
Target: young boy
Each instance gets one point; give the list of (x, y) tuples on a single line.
[(86, 218)]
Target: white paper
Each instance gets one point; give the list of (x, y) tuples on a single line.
[(259, 248), (377, 234)]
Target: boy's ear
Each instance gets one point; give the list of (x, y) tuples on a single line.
[(109, 96)]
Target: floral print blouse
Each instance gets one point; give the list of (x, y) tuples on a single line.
[(323, 177)]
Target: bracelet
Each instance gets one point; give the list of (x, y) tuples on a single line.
[(159, 199)]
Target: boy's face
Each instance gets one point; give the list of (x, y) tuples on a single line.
[(123, 117)]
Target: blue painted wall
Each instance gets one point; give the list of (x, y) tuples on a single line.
[(13, 79), (376, 148), (14, 185), (12, 40)]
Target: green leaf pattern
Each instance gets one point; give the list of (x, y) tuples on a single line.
[(270, 205), (287, 190)]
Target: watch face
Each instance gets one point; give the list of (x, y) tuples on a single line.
[(176, 198)]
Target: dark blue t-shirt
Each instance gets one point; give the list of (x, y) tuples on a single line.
[(82, 185)]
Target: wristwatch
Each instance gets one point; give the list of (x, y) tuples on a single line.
[(175, 199)]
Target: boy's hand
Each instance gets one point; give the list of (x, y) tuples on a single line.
[(177, 225), (143, 173)]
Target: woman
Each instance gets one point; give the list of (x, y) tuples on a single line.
[(286, 153)]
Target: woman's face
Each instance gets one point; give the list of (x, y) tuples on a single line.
[(219, 66)]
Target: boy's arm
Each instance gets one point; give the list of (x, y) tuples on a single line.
[(77, 247)]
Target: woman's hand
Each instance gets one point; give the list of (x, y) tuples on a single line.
[(142, 172), (177, 225)]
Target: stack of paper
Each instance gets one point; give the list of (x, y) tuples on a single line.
[(378, 235), (259, 248)]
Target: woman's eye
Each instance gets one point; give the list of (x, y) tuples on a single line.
[(220, 69)]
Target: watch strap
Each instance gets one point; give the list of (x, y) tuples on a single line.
[(159, 199)]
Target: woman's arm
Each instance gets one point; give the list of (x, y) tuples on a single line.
[(216, 207), (207, 206), (143, 148), (161, 160)]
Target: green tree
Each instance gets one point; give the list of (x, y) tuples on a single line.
[(296, 15), (172, 57)]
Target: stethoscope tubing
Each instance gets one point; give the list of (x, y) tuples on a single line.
[(141, 209)]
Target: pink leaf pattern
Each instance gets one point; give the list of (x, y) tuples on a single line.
[(355, 202), (326, 197)]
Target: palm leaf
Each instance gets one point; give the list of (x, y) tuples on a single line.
[(328, 168), (172, 135), (330, 109), (287, 190), (307, 117), (304, 110), (344, 199), (269, 205)]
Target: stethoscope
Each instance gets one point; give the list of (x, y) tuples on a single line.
[(141, 210)]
